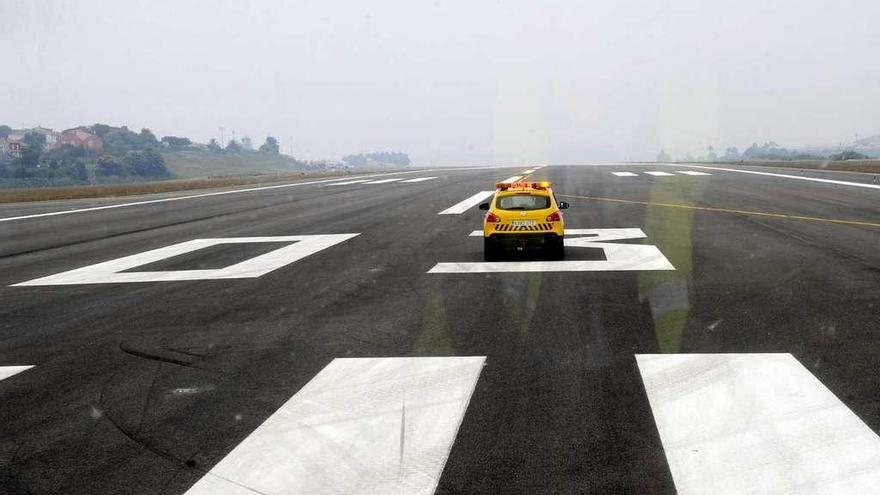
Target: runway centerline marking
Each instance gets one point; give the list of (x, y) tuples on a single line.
[(8, 371), (346, 183), (112, 272), (756, 423), (418, 179), (463, 206), (784, 176), (512, 178), (361, 425), (724, 210), (625, 174), (618, 257), (384, 181), (660, 174), (691, 172)]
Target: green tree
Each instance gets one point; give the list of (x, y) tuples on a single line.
[(109, 166), (148, 138), (233, 147), (4, 131), (176, 142), (270, 146), (213, 146), (35, 141)]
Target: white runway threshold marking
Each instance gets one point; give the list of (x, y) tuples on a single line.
[(418, 179), (659, 174), (7, 371), (108, 272), (625, 174), (618, 257), (362, 425), (756, 423), (463, 206)]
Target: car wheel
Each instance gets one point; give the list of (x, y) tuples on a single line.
[(490, 251), (556, 249)]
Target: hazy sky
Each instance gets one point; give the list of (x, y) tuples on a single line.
[(456, 82)]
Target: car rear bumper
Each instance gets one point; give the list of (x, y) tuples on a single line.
[(522, 240)]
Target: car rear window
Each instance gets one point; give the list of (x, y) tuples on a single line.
[(523, 202)]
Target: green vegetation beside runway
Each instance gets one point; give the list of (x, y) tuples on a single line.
[(199, 163)]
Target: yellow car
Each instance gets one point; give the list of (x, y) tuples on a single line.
[(523, 216)]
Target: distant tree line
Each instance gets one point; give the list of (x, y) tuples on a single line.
[(384, 158), (770, 150)]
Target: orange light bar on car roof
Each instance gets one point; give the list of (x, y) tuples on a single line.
[(523, 185)]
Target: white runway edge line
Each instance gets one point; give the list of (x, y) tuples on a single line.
[(113, 271), (7, 371), (463, 206), (418, 179), (784, 176), (756, 423), (204, 195), (659, 174), (362, 425), (625, 174)]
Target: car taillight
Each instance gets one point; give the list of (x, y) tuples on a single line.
[(554, 217), (492, 218)]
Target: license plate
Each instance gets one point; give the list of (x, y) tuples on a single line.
[(523, 223)]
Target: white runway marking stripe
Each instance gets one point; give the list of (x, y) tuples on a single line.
[(113, 271), (618, 257), (659, 174), (7, 371), (419, 179), (527, 172), (625, 174), (512, 179), (786, 176), (346, 183), (756, 423), (463, 206), (362, 425), (691, 172), (383, 181)]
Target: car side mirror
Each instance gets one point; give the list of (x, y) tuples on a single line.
[(563, 205), (484, 206)]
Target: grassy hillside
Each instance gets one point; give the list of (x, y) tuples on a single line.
[(198, 163)]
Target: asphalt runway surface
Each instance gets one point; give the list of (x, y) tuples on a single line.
[(749, 365)]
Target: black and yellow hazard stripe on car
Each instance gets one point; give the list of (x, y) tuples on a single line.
[(504, 227)]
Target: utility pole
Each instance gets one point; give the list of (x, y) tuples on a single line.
[(233, 134), (222, 136)]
